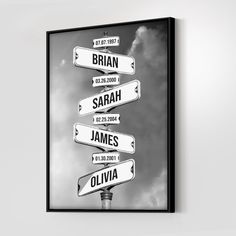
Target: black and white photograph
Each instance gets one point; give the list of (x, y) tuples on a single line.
[(110, 117)]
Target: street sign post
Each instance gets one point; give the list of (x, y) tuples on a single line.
[(106, 42), (105, 158), (117, 96), (106, 177), (106, 80), (110, 142), (108, 119), (94, 59), (93, 136)]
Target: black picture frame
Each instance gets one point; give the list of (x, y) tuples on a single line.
[(170, 117)]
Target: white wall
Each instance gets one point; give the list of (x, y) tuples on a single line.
[(205, 117)]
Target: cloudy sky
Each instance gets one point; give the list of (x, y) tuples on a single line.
[(145, 119)]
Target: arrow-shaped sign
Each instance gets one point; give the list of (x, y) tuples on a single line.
[(106, 42), (106, 80), (105, 158), (93, 136), (111, 119), (106, 177), (94, 59), (117, 96)]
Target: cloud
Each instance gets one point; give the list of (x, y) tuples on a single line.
[(146, 119), (151, 45), (68, 160), (63, 62), (67, 164), (155, 196)]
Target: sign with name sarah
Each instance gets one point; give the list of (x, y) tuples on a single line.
[(117, 96), (106, 80), (105, 157), (111, 119), (106, 177), (94, 59), (106, 42), (93, 136)]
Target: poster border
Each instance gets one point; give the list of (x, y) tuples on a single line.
[(170, 117)]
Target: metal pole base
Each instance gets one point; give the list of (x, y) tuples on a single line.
[(106, 197)]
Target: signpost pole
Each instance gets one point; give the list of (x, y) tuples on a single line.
[(106, 197)]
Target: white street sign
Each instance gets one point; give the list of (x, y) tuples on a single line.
[(93, 136), (106, 42), (106, 177), (117, 96), (111, 119), (94, 59), (106, 80), (105, 157)]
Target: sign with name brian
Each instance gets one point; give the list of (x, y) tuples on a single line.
[(93, 136), (94, 59), (106, 42), (117, 96), (106, 177)]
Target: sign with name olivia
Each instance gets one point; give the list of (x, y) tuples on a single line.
[(111, 119), (94, 59), (117, 96), (106, 42), (93, 136), (106, 177), (105, 157), (106, 80)]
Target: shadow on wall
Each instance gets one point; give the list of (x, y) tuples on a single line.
[(180, 113)]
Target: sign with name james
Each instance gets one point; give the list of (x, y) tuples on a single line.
[(117, 96), (106, 80), (94, 59), (105, 157), (106, 42), (106, 177), (93, 136)]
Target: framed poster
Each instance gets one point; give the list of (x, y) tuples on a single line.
[(110, 117)]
